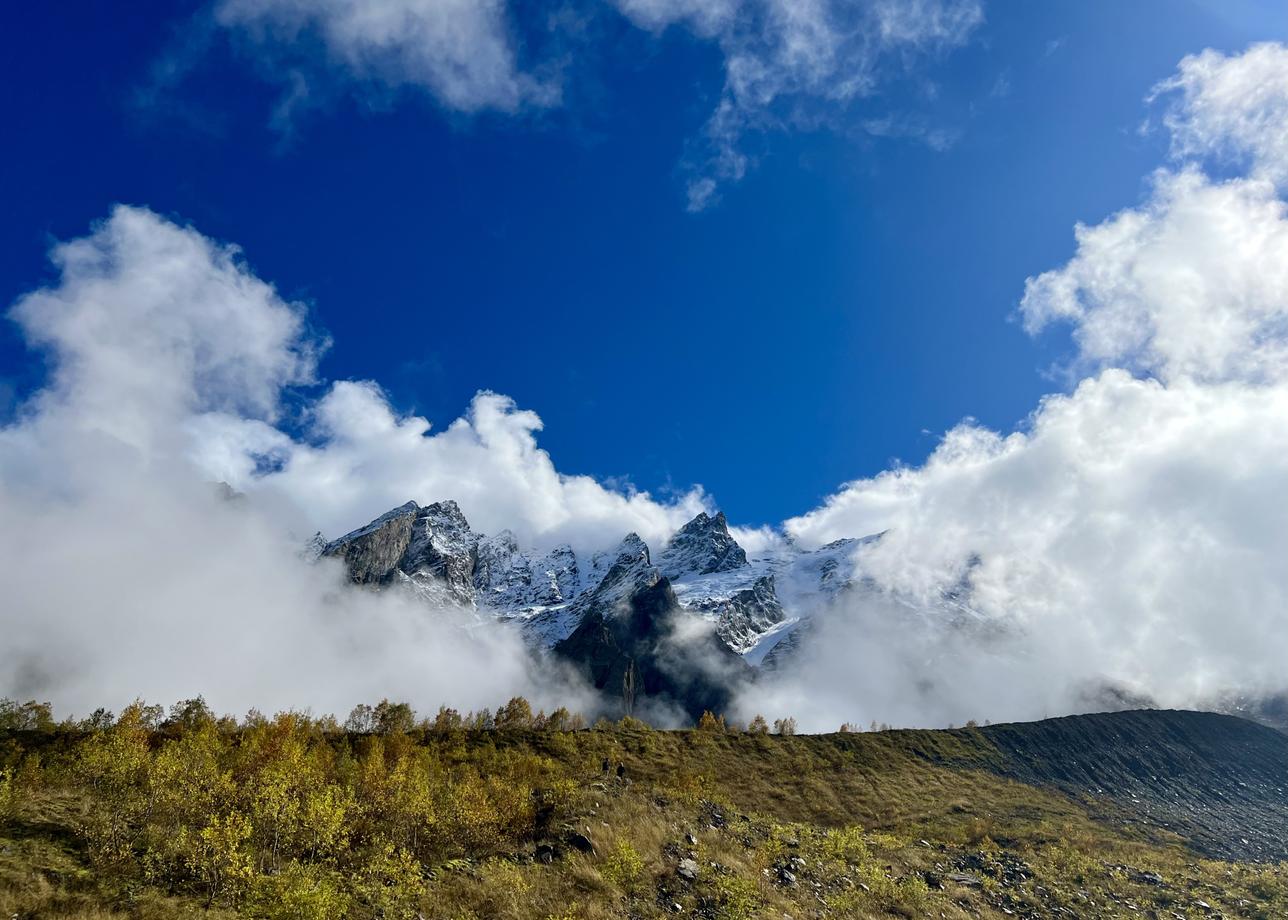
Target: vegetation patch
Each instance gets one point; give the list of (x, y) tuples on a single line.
[(515, 815)]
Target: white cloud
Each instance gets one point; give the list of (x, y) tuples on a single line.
[(705, 17), (1132, 533), (125, 574), (785, 54), (1233, 107), (367, 459), (461, 51), (1194, 284)]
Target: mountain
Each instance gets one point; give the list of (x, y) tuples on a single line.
[(703, 546), (683, 630), (1219, 781), (751, 603)]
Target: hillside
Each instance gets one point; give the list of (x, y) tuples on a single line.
[(1155, 814)]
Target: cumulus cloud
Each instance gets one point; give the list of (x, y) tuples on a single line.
[(1233, 107), (1192, 285), (126, 573), (1131, 533), (460, 51), (782, 57), (366, 459)]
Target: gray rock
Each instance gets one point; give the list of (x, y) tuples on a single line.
[(430, 549), (701, 547)]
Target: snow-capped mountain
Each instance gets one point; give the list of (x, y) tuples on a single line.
[(753, 603)]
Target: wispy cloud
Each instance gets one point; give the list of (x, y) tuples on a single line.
[(460, 51), (784, 61), (780, 56)]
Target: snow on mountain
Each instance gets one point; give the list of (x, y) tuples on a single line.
[(505, 578), (703, 546), (612, 578), (754, 604)]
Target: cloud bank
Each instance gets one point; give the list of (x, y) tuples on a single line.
[(126, 573), (1132, 532)]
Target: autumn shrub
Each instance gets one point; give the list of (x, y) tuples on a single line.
[(624, 867), (300, 892)]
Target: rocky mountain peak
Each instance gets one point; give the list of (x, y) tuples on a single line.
[(703, 546), (632, 550), (442, 549)]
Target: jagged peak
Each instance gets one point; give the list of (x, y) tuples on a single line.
[(632, 549), (701, 547), (410, 508), (703, 522), (445, 510)]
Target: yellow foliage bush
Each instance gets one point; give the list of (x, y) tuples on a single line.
[(624, 867)]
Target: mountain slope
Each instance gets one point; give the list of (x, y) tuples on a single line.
[(1219, 781), (528, 822)]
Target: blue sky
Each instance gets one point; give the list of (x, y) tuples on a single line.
[(841, 305)]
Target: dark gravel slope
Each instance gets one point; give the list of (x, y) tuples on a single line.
[(1219, 781)]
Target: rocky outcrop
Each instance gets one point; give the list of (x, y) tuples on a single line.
[(744, 615), (641, 654), (373, 554), (431, 549), (701, 547)]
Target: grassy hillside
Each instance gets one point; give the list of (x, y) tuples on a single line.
[(155, 817)]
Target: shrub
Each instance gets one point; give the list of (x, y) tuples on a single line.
[(623, 867), (711, 723), (736, 898), (29, 716), (300, 892), (8, 794)]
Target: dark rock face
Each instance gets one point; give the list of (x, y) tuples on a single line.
[(634, 652), (432, 547), (372, 554), (701, 547)]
